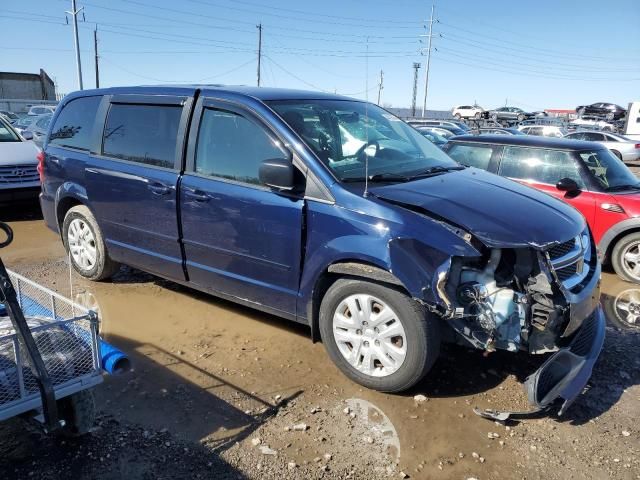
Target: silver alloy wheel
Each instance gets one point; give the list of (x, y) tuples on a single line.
[(631, 260), (627, 306), (82, 244), (369, 335)]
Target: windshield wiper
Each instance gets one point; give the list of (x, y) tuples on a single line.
[(438, 169), (617, 188)]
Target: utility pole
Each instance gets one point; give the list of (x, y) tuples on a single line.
[(259, 27), (95, 52), (416, 67), (426, 81), (74, 13), (380, 86)]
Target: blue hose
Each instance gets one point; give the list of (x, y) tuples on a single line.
[(114, 361)]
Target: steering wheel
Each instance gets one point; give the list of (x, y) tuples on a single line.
[(361, 150), (8, 232)]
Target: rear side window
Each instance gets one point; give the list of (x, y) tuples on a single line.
[(478, 156), (142, 133), (74, 124), (540, 165), (232, 146)]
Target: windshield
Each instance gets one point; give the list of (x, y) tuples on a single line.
[(609, 171), (433, 137), (346, 135), (7, 134)]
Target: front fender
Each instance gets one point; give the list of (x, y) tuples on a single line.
[(615, 231)]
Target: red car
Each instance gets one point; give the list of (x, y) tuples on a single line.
[(584, 174)]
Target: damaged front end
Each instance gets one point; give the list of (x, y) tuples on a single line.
[(537, 299)]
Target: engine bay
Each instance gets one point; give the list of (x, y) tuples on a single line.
[(508, 299)]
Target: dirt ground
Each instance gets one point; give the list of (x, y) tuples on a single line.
[(222, 391)]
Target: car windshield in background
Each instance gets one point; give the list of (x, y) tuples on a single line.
[(7, 134), (344, 134), (609, 171)]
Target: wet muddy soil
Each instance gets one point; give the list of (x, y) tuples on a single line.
[(222, 391)]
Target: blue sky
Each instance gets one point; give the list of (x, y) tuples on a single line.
[(542, 54)]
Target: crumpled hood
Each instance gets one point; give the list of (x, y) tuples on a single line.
[(497, 211), (18, 153)]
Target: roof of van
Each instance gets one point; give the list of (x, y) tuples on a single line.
[(530, 141), (261, 93)]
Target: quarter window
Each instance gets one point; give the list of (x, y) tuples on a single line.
[(232, 146), (478, 156), (540, 165), (74, 124), (142, 133)]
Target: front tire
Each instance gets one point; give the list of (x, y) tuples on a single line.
[(85, 245), (458, 116), (377, 335), (625, 257)]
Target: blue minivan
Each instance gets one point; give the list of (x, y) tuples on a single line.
[(331, 212)]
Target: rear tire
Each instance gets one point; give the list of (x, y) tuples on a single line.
[(79, 413), (375, 348), (625, 258), (617, 154), (85, 245)]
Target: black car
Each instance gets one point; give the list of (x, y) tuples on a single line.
[(449, 128), (513, 114), (610, 111)]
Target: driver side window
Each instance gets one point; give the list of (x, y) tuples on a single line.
[(233, 147)]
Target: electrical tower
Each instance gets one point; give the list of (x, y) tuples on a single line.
[(426, 81), (416, 67)]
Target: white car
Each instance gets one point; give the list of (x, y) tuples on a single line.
[(19, 178), (467, 111), (543, 130), (592, 122), (41, 109), (624, 148)]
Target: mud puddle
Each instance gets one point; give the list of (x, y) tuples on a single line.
[(254, 392)]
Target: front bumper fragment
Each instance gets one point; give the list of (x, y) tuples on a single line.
[(564, 375)]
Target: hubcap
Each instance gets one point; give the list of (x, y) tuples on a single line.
[(369, 335), (627, 306), (631, 260), (82, 244)]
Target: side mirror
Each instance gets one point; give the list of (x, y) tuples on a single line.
[(567, 185), (277, 173), (27, 135)]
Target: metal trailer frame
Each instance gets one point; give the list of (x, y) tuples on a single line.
[(77, 323)]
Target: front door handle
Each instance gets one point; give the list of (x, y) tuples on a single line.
[(197, 195), (158, 188)]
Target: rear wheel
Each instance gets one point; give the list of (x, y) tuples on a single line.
[(625, 257), (377, 335), (84, 242), (78, 412), (617, 154)]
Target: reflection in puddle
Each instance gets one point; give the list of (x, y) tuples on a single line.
[(373, 421), (622, 306)]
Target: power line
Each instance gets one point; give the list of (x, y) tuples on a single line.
[(314, 20)]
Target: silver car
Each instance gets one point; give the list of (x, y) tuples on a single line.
[(622, 147), (38, 129), (19, 179)]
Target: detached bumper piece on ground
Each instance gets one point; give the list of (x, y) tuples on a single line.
[(564, 375)]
